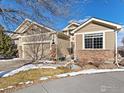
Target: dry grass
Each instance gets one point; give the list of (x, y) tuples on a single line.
[(30, 75)]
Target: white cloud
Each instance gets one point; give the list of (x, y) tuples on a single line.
[(80, 20), (83, 20)]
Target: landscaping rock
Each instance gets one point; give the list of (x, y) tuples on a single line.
[(68, 58), (73, 66), (121, 62), (120, 58)]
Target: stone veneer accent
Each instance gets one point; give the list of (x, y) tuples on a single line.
[(90, 55)]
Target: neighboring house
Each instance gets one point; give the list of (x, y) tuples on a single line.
[(34, 40), (91, 40), (95, 39)]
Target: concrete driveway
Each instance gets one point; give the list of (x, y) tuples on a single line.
[(94, 83), (6, 65)]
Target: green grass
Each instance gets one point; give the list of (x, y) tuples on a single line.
[(30, 75)]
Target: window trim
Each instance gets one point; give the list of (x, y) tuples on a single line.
[(83, 40)]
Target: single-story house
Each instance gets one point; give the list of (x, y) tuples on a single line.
[(34, 40), (91, 40), (94, 39)]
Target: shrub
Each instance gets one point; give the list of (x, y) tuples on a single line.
[(82, 62), (107, 66), (97, 61), (89, 66)]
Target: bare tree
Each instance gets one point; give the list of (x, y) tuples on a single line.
[(36, 45), (122, 41), (36, 10), (15, 11)]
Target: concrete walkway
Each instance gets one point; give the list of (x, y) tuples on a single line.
[(112, 82)]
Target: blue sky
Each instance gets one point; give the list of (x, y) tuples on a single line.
[(112, 10)]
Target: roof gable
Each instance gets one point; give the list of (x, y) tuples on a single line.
[(72, 24), (93, 27), (34, 23), (35, 29), (98, 21), (26, 24)]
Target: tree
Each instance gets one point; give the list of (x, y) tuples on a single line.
[(14, 11), (35, 47), (122, 41), (7, 49), (36, 10)]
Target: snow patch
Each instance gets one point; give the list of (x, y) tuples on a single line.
[(10, 86), (62, 75), (29, 82), (1, 89), (3, 73), (44, 78), (47, 61), (21, 83)]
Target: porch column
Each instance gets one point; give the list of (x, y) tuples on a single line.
[(116, 48)]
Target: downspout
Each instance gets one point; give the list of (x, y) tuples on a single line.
[(75, 56), (116, 49), (56, 45)]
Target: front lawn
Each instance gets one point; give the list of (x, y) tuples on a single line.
[(30, 75)]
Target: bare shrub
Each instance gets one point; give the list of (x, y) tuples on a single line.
[(107, 66), (97, 61), (35, 47), (82, 63), (89, 66)]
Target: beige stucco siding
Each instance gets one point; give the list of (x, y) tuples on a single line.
[(79, 41), (109, 40), (92, 27), (20, 51), (109, 36), (62, 47)]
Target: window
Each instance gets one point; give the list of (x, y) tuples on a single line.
[(94, 40)]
